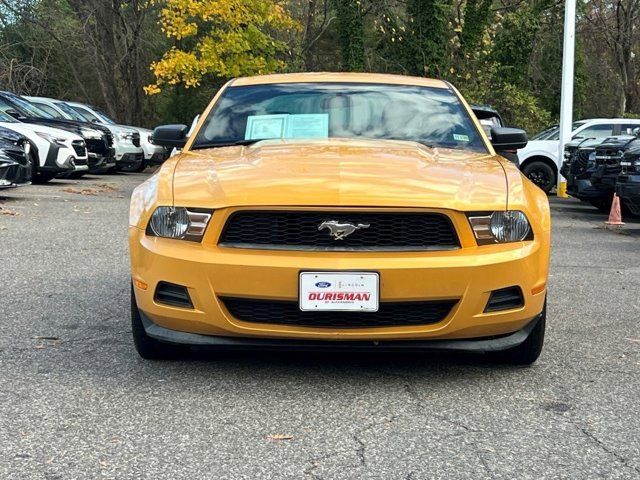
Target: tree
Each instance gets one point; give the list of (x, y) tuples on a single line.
[(426, 46), (350, 22), (220, 38), (615, 22)]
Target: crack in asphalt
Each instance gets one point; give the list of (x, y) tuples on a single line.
[(584, 431), (625, 461), (409, 388)]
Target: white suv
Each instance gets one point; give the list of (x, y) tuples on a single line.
[(59, 151), (539, 159)]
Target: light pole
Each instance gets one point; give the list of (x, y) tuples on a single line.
[(566, 101)]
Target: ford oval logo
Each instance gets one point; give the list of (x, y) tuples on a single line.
[(323, 284)]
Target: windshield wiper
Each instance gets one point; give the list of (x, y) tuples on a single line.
[(225, 144)]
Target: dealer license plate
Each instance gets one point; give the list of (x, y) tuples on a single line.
[(339, 291)]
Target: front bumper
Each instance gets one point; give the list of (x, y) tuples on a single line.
[(468, 275), (13, 174), (100, 164), (479, 345), (628, 189), (158, 157), (590, 185), (130, 160)]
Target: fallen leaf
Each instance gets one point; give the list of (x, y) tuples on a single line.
[(107, 187), (11, 213), (279, 437), (82, 191), (634, 340)]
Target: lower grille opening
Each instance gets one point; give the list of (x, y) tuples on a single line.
[(396, 314), (505, 299), (172, 294)]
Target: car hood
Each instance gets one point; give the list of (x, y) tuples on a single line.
[(616, 142), (29, 129), (339, 172)]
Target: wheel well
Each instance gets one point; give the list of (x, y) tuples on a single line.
[(542, 159)]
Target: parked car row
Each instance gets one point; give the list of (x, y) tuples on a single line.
[(595, 168), (540, 160), (62, 139)]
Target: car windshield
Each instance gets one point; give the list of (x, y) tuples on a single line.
[(27, 107), (70, 112), (102, 116), (432, 116), (89, 116)]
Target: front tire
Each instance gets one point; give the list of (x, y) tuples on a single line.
[(140, 168), (603, 206), (541, 174), (147, 347), (528, 351)]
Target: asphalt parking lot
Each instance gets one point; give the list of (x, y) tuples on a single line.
[(76, 402)]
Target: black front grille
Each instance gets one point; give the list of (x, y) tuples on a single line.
[(79, 148), (581, 161), (108, 137), (299, 230), (389, 314)]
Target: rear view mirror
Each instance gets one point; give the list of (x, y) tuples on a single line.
[(172, 136), (508, 138), (15, 114)]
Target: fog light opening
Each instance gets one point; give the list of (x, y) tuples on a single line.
[(505, 299)]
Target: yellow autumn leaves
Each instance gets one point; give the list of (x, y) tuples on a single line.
[(226, 38)]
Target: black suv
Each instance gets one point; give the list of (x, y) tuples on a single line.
[(578, 167), (628, 186), (98, 139), (609, 156)]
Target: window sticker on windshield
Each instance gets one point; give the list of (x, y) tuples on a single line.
[(260, 127), (308, 126), (460, 138)]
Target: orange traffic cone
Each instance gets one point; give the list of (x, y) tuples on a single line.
[(615, 217)]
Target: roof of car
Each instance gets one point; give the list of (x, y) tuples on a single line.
[(605, 120), (340, 77)]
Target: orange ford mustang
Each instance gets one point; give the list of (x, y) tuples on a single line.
[(339, 211)]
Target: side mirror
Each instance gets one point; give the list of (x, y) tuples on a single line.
[(172, 136), (508, 138), (15, 114)]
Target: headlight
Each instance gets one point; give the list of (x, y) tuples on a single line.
[(125, 136), (500, 227), (90, 133), (51, 138), (178, 223), (150, 138)]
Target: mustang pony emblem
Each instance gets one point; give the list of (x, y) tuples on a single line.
[(339, 230)]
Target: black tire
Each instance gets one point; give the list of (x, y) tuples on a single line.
[(602, 205), (42, 177), (147, 347), (140, 168), (542, 174), (528, 351)]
